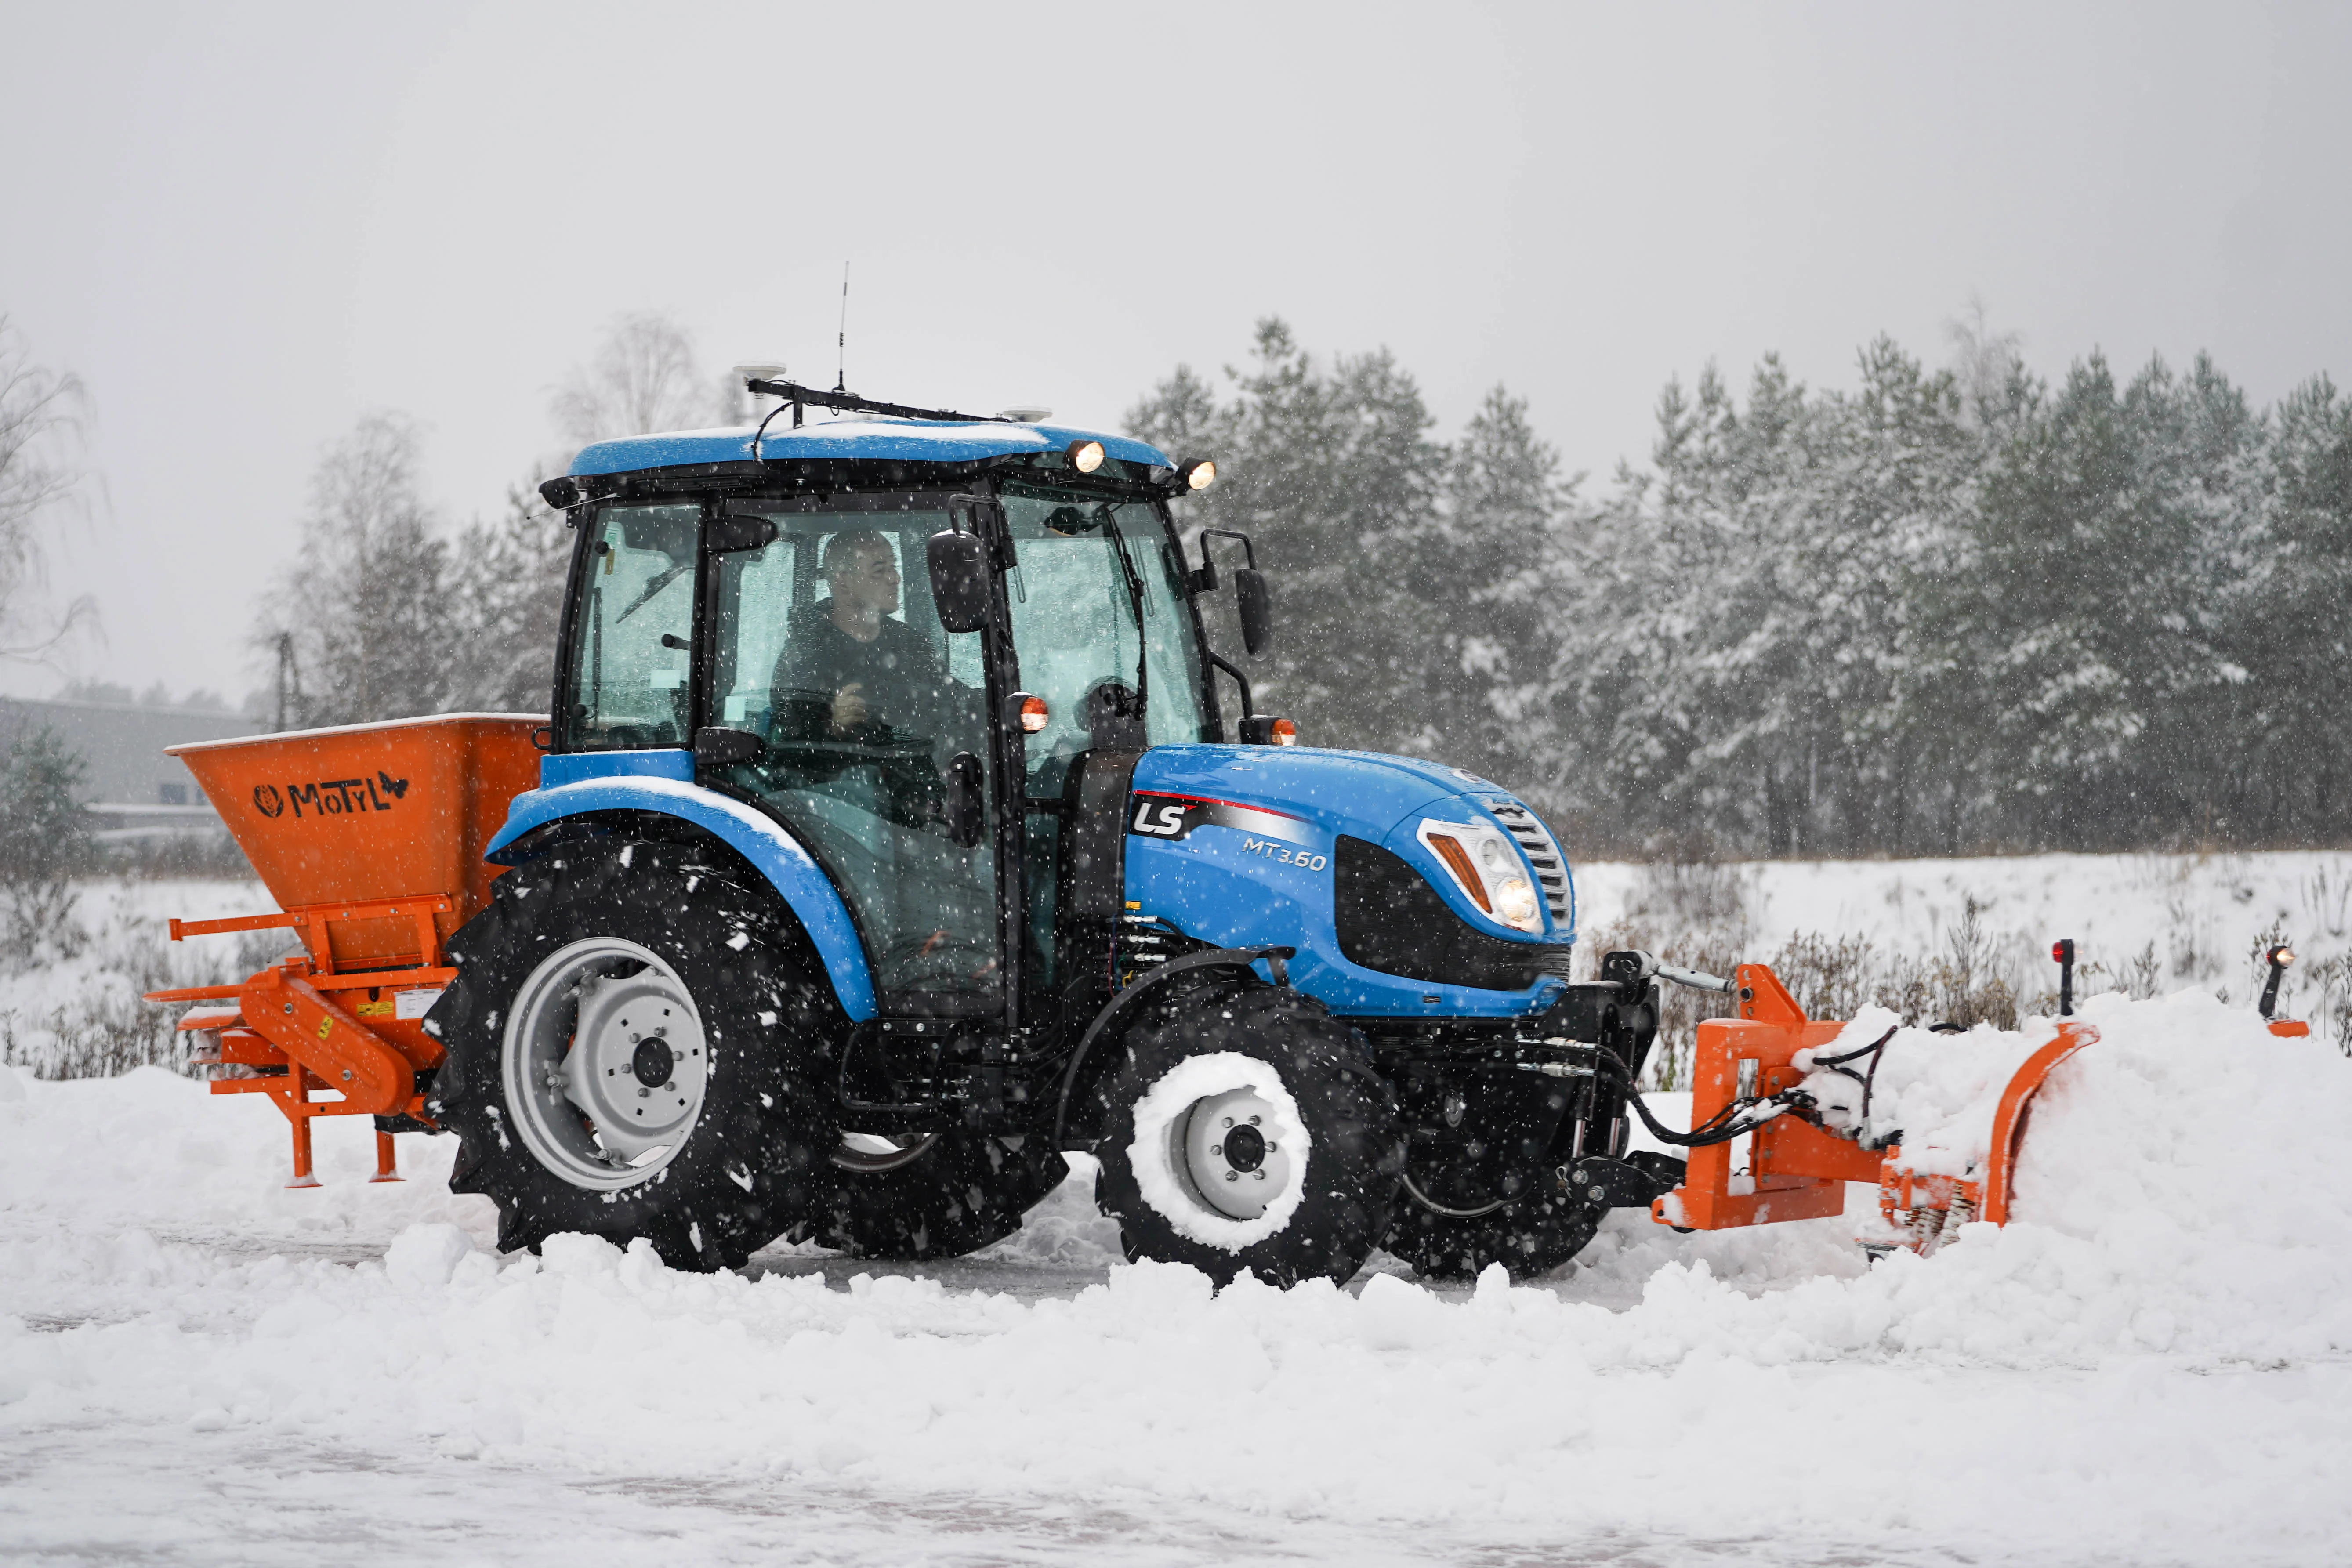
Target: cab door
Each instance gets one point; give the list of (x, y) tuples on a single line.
[(903, 804)]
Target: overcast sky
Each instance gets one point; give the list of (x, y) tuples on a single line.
[(245, 227)]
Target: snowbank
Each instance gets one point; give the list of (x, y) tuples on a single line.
[(2149, 1365)]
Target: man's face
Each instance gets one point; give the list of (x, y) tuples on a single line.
[(865, 577)]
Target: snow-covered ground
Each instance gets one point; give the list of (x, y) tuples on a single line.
[(196, 1365), (2153, 1365)]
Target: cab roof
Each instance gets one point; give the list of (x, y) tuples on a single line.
[(864, 438)]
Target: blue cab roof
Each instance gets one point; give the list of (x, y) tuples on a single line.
[(864, 438)]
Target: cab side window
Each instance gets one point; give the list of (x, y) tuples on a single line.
[(633, 641)]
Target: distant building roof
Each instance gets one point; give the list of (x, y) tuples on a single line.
[(121, 744)]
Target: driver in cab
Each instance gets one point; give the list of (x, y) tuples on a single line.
[(849, 671)]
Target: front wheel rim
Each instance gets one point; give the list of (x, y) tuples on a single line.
[(1221, 1149), (606, 1065)]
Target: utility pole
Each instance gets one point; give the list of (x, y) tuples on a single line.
[(290, 683)]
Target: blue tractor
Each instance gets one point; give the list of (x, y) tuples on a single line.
[(890, 845)]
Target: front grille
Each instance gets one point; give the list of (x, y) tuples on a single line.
[(1390, 919), (1543, 854)]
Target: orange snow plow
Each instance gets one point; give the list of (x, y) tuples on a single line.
[(1798, 1166), (371, 839)]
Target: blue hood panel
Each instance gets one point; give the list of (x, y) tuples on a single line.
[(1265, 880), (1362, 793), (852, 440)]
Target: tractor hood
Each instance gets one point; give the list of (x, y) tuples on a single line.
[(1328, 853), (1363, 793)]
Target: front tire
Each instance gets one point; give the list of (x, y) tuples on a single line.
[(637, 1036), (1246, 1131)]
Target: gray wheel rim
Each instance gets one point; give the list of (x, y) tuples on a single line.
[(1228, 1180), (604, 1063)]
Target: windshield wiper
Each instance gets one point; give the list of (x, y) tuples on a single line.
[(655, 587), (1134, 603)]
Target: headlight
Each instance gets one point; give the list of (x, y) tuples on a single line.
[(1486, 865)]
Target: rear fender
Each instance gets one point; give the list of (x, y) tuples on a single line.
[(772, 851)]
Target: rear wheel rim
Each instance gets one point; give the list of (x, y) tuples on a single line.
[(604, 1063)]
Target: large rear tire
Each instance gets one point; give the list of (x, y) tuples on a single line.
[(940, 1194), (1245, 1131), (639, 1037)]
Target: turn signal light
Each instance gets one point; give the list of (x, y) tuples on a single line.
[(1457, 860), (1265, 729), (1086, 456), (1030, 709)]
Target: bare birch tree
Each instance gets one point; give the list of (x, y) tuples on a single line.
[(644, 377), (365, 600), (42, 416)]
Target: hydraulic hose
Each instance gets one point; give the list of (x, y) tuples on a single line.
[(1721, 1128)]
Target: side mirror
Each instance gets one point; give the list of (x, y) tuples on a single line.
[(958, 563), (718, 746), (728, 535), (1255, 602), (967, 800)]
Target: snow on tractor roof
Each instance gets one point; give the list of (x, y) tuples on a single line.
[(867, 438)]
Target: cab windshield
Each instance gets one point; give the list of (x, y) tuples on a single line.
[(1102, 627)]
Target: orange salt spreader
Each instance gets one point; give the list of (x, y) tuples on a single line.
[(371, 839)]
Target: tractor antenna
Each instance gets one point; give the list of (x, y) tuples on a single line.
[(841, 340)]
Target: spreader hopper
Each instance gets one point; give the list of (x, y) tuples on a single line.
[(370, 837)]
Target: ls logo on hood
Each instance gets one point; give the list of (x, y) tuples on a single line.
[(1169, 817)]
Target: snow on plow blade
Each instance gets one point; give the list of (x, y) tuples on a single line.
[(370, 837)]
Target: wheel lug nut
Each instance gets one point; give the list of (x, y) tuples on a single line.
[(1260, 1176), (1228, 1122), (1233, 1175), (1253, 1122)]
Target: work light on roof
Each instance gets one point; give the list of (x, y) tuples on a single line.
[(1199, 474), (1086, 456)]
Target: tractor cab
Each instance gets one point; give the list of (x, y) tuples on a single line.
[(777, 624)]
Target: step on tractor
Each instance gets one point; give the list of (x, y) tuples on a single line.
[(884, 843)]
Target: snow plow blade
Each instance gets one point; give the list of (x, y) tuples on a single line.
[(1798, 1168), (370, 837)]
